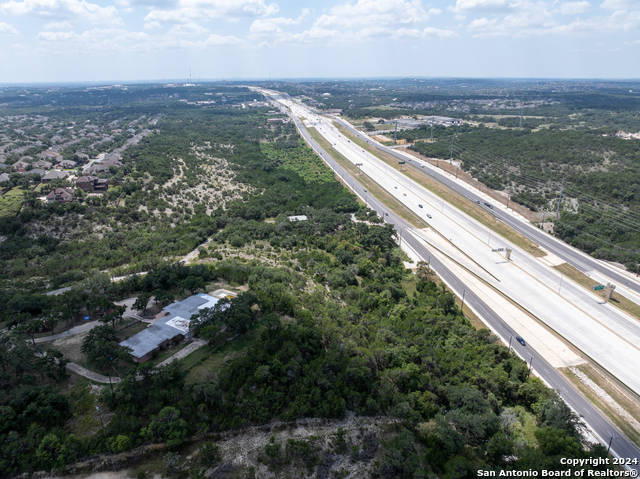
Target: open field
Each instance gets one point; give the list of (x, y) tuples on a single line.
[(11, 201)]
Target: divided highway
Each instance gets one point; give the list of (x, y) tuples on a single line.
[(598, 423), (571, 255)]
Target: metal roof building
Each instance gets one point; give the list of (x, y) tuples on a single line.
[(174, 323)]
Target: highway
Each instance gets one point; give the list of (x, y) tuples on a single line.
[(571, 255), (604, 333), (621, 446)]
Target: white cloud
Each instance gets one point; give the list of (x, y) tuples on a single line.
[(56, 36), (314, 34), (123, 41), (532, 19), (482, 5), (6, 29), (218, 40), (371, 13), (187, 29), (63, 9), (272, 25), (186, 11), (620, 4), (574, 8), (58, 26)]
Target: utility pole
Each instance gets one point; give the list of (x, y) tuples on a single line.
[(610, 441), (462, 307), (394, 133), (451, 157), (521, 113), (530, 363), (560, 200), (510, 338), (560, 287), (431, 129), (105, 436)]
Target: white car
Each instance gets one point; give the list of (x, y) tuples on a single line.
[(429, 216)]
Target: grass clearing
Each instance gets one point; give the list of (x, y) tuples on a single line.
[(205, 363), (373, 187), (453, 198), (166, 353), (303, 160), (11, 202), (631, 408), (585, 281)]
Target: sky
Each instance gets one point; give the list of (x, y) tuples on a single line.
[(136, 40)]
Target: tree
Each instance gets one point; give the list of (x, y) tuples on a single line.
[(100, 345), (51, 453), (167, 427), (164, 298), (30, 328), (52, 363), (271, 321), (73, 300), (424, 271), (51, 319), (142, 302), (114, 315)]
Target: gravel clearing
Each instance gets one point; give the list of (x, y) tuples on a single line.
[(602, 394)]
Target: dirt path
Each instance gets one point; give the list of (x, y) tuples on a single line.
[(99, 378)]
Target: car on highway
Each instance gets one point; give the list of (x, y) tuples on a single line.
[(396, 187), (386, 214), (478, 201), (521, 341), (420, 206), (404, 194), (488, 205), (365, 191), (429, 216)]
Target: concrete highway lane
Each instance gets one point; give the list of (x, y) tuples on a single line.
[(603, 428), (561, 249)]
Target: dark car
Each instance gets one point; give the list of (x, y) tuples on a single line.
[(488, 205), (420, 206), (521, 341)]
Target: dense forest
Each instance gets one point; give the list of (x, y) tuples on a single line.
[(331, 322)]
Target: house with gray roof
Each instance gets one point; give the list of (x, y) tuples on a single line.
[(44, 164), (67, 164), (34, 171), (173, 323), (54, 175)]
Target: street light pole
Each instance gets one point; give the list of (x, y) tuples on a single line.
[(510, 338), (560, 287)]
